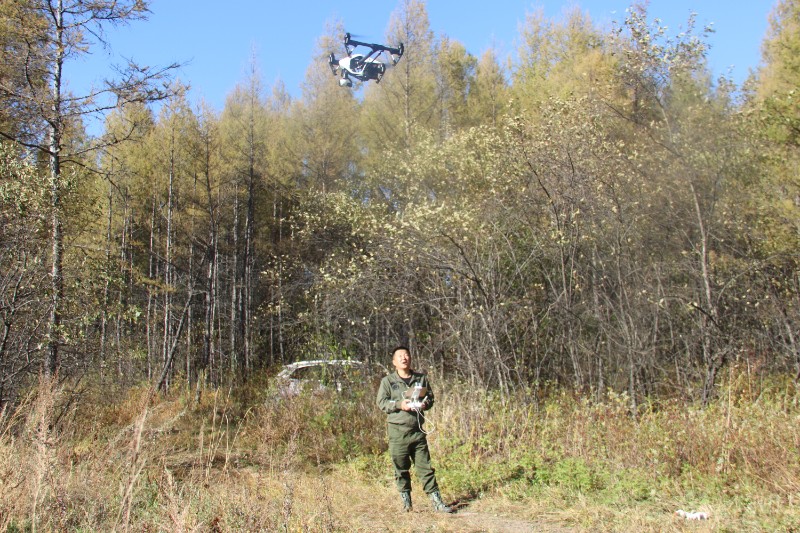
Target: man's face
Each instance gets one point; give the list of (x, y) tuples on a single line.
[(402, 360)]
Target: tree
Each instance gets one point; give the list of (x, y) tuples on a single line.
[(176, 149), (488, 95), (126, 180), (13, 119), (780, 72), (686, 137), (245, 126), (776, 100), (56, 31), (455, 68), (325, 125), (775, 209), (404, 103), (23, 272), (558, 58)]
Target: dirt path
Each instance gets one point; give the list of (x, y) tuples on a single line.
[(473, 521), (462, 522), (474, 517)]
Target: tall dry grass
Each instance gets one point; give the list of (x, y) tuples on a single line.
[(739, 458), (128, 461), (28, 461), (242, 460)]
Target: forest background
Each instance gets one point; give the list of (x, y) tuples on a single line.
[(599, 230)]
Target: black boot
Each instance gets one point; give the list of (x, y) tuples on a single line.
[(438, 503), (406, 496)]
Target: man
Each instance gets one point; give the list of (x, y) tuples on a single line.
[(405, 421)]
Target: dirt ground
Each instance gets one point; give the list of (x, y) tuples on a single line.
[(342, 500), (466, 520), (369, 506), (472, 517)]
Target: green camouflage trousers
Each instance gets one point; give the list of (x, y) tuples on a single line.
[(407, 446)]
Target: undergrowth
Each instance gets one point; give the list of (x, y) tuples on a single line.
[(247, 459)]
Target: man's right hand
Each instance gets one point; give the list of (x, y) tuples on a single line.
[(405, 405)]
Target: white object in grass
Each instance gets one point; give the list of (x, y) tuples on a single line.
[(696, 515)]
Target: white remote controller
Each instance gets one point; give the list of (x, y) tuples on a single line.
[(416, 402)]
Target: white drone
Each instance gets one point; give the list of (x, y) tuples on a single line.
[(363, 67)]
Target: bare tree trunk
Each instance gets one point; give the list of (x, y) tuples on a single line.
[(211, 272), (249, 232), (272, 292), (234, 325), (126, 257), (280, 284), (189, 344), (151, 273), (162, 381), (168, 259), (104, 310), (210, 303), (57, 239), (57, 279), (709, 316)]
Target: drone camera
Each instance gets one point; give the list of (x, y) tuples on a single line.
[(344, 82)]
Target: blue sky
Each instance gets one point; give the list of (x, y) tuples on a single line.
[(217, 39)]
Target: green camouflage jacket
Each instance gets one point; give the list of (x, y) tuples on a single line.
[(393, 390)]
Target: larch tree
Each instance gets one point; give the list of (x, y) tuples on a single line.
[(175, 149), (780, 71), (488, 96), (207, 200), (56, 32), (125, 174), (557, 58), (777, 194), (325, 124), (404, 103), (455, 68), (777, 92), (244, 127)]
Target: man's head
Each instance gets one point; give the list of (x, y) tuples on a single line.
[(401, 358)]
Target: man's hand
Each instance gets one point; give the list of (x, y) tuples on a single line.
[(405, 405)]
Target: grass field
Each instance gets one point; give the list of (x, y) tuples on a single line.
[(92, 458)]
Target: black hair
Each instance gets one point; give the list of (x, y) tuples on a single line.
[(400, 347)]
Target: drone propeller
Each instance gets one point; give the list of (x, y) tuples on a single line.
[(347, 37), (352, 36)]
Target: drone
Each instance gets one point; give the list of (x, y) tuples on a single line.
[(363, 67)]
